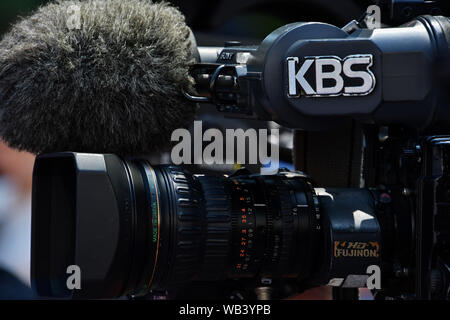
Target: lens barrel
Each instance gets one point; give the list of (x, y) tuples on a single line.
[(132, 228), (212, 228)]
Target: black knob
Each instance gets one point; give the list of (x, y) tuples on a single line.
[(435, 281), (232, 43)]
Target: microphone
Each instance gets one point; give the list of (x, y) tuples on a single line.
[(113, 84)]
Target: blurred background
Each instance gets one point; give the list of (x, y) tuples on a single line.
[(252, 19), (213, 22)]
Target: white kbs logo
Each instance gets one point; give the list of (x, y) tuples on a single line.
[(335, 68)]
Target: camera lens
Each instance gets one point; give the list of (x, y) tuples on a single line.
[(214, 227), (132, 227)]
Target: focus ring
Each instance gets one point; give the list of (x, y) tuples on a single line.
[(188, 218)]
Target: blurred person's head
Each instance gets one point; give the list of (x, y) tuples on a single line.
[(16, 172), (16, 166)]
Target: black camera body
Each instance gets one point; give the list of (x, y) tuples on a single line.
[(398, 95), (144, 231)]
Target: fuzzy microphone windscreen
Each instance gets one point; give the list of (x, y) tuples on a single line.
[(111, 83)]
